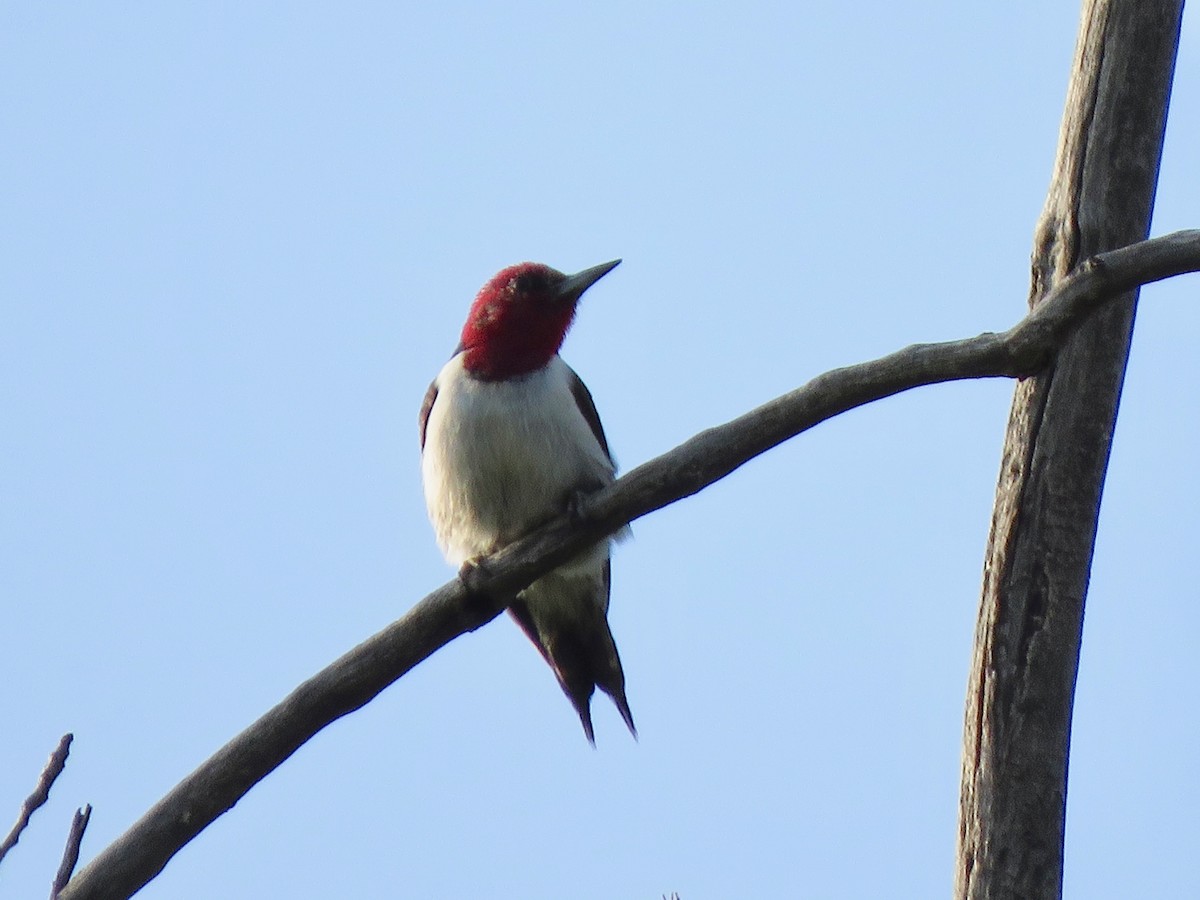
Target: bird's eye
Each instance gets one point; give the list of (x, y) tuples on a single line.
[(527, 282)]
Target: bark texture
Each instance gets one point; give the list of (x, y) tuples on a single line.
[(1022, 683)]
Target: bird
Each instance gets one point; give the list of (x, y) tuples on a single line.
[(510, 438)]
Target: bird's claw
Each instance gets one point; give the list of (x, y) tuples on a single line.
[(470, 573), (577, 507), (578, 501)]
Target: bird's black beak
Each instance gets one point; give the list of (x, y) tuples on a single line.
[(572, 288)]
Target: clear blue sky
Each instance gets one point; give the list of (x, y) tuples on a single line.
[(239, 239)]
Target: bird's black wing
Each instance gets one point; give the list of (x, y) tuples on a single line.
[(587, 407), (426, 406), (427, 403)]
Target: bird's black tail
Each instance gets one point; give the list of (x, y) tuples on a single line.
[(570, 629)]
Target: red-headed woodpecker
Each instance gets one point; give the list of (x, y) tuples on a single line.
[(509, 437)]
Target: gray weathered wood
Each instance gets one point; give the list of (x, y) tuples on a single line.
[(1022, 683)]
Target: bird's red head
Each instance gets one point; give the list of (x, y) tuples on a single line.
[(520, 317)]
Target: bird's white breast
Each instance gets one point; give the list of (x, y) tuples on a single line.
[(502, 456)]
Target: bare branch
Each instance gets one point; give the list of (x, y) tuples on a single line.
[(454, 609), (79, 825), (41, 793)]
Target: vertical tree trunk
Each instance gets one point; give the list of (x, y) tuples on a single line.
[(1022, 683)]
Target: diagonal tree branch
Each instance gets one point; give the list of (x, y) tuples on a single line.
[(456, 608), (41, 793)]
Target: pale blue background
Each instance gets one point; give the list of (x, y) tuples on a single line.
[(238, 241)]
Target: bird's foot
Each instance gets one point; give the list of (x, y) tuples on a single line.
[(576, 507), (472, 572), (577, 502)]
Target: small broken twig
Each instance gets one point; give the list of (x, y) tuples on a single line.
[(71, 853)]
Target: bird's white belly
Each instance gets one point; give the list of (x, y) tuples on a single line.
[(502, 456)]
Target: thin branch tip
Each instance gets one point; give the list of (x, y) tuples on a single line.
[(41, 792)]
